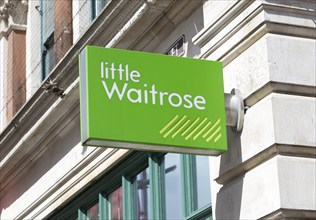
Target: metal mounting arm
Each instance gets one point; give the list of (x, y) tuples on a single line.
[(234, 107)]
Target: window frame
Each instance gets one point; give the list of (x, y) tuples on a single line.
[(47, 41), (47, 45), (96, 7), (138, 161)]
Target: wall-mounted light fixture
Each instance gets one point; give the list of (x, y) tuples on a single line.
[(234, 106)]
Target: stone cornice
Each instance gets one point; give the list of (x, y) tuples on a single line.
[(246, 21), (10, 6), (11, 27), (291, 214), (270, 152), (13, 15)]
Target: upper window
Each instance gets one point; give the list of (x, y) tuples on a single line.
[(177, 48), (96, 7), (47, 37)]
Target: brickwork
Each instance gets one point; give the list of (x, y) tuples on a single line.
[(16, 72), (62, 27)]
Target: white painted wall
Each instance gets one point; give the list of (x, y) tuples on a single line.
[(3, 87), (33, 49), (80, 14)]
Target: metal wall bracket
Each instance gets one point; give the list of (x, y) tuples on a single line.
[(234, 107)]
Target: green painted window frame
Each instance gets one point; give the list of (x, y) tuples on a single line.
[(125, 176), (157, 189)]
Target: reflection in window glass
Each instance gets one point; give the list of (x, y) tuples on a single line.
[(115, 199), (99, 5), (203, 181), (96, 7), (173, 186), (93, 212), (143, 185), (48, 55)]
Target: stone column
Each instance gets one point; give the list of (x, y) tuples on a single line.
[(268, 49)]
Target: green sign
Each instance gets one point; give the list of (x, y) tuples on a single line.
[(151, 102)]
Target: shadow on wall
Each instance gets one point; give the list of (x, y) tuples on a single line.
[(229, 197)]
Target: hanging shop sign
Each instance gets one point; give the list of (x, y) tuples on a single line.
[(151, 102)]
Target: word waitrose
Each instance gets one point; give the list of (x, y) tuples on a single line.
[(118, 72)]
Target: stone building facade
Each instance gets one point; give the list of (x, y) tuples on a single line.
[(268, 51)]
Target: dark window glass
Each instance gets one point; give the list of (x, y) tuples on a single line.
[(48, 55), (93, 212), (116, 205), (47, 37), (96, 7), (177, 48)]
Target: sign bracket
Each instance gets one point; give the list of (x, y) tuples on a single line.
[(234, 107)]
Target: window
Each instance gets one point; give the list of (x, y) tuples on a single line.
[(203, 181), (147, 186), (47, 37), (96, 7), (56, 32), (177, 48), (93, 212), (143, 187), (173, 194), (48, 55), (116, 204)]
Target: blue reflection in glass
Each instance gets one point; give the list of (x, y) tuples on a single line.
[(143, 185), (173, 186), (203, 181)]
